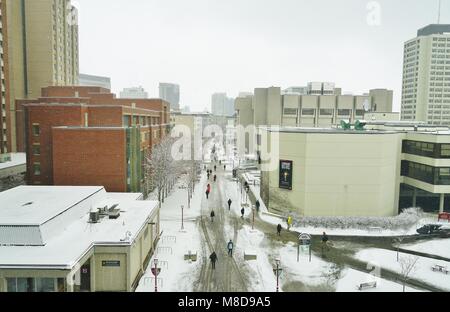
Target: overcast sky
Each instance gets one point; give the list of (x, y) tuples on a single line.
[(210, 46)]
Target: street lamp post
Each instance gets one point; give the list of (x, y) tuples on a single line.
[(278, 273), (182, 217), (253, 222), (155, 261)]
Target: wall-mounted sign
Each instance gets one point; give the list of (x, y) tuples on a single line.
[(111, 263), (286, 171)]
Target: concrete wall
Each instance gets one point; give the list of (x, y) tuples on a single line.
[(338, 174)]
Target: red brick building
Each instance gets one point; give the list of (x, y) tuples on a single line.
[(86, 136)]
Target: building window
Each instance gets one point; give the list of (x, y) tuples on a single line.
[(36, 149), (290, 111), (308, 112), (360, 112), (445, 150), (36, 129), (420, 148), (37, 169), (344, 112), (126, 121), (326, 112)]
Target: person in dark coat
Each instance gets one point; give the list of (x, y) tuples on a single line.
[(213, 258), (229, 204), (242, 213), (257, 204), (212, 216), (230, 246), (279, 228), (215, 168), (215, 178), (224, 167), (207, 194)]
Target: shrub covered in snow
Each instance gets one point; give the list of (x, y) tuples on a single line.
[(405, 220)]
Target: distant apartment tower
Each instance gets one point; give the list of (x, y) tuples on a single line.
[(134, 93), (222, 105), (171, 93), (94, 81), (426, 76), (42, 49), (4, 105)]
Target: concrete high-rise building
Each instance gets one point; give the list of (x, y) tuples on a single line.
[(426, 76), (134, 93), (42, 49), (222, 105), (4, 87), (94, 81), (171, 93), (382, 100)]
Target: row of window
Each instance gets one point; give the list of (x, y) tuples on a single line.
[(424, 173), (323, 112), (433, 150), (35, 284)]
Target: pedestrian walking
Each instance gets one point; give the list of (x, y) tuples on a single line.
[(324, 242), (224, 167), (213, 258), (220, 162), (279, 228), (257, 204), (229, 204), (207, 194), (215, 178), (215, 168), (208, 187), (212, 216), (242, 213), (289, 222), (207, 175), (230, 246)]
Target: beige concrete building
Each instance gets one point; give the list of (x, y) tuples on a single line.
[(426, 76), (69, 239), (333, 172), (43, 49), (272, 107)]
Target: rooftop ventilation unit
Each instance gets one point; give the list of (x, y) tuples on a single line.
[(114, 212), (94, 217)]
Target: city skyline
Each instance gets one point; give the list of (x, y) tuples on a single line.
[(247, 51)]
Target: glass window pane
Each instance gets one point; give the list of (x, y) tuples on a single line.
[(11, 285), (45, 284)]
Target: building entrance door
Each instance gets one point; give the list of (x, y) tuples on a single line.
[(85, 277)]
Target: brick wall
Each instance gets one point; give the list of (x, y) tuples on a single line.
[(90, 157)]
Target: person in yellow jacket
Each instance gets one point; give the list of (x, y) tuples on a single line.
[(289, 222)]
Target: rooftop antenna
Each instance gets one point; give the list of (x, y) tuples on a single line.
[(439, 12)]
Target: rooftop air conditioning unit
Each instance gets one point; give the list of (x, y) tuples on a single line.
[(114, 212), (94, 217)]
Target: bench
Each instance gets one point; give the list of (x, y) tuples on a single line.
[(369, 285), (250, 255), (439, 268)]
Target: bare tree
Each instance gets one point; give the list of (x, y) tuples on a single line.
[(160, 168), (407, 265)]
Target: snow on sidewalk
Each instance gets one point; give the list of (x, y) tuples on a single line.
[(350, 279), (438, 247), (387, 259), (177, 275)]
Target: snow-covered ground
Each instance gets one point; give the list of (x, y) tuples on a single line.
[(177, 275), (351, 278), (438, 247), (387, 259)]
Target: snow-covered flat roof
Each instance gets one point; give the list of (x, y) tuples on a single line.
[(17, 159), (76, 236), (35, 205)]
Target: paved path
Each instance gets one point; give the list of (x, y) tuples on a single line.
[(230, 275)]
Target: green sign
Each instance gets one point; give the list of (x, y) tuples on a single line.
[(111, 263), (286, 171)]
